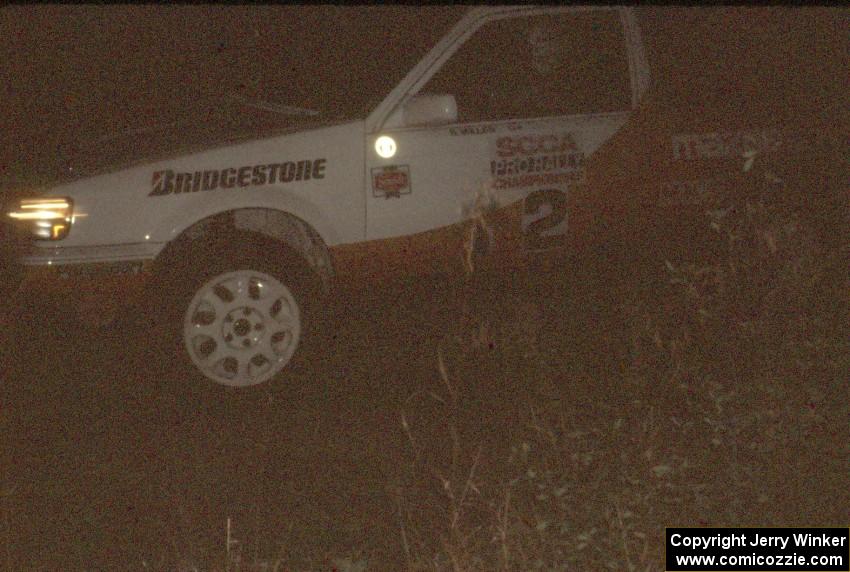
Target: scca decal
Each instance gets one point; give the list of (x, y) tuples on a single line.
[(534, 160), (168, 182), (507, 147)]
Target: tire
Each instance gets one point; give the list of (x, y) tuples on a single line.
[(237, 312)]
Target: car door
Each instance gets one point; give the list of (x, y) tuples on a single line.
[(537, 92)]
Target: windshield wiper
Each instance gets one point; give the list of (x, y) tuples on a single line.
[(141, 130), (275, 107), (280, 109)]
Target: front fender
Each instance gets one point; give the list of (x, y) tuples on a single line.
[(176, 222)]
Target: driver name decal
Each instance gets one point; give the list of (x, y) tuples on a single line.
[(168, 182)]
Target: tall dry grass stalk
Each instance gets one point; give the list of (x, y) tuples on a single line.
[(729, 364)]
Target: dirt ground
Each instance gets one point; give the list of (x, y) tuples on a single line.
[(110, 462)]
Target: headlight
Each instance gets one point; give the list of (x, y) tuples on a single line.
[(47, 218)]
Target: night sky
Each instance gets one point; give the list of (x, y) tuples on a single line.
[(79, 73)]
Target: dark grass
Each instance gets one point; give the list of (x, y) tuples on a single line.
[(523, 422)]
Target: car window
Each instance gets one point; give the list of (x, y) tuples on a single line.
[(539, 66), (354, 57)]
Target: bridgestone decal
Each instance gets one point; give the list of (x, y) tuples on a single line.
[(168, 182)]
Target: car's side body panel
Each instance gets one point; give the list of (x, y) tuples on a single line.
[(622, 180), (132, 214), (445, 175)]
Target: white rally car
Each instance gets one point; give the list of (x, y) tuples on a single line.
[(498, 117)]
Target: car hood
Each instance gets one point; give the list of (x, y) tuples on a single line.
[(139, 147)]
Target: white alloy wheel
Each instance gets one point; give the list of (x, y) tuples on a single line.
[(242, 328)]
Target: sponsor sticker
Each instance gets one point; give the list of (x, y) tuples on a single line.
[(689, 192), (168, 182), (532, 160), (719, 145), (391, 181)]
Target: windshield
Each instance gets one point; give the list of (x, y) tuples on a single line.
[(332, 62), (354, 56)]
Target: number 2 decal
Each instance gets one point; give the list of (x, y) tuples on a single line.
[(544, 219)]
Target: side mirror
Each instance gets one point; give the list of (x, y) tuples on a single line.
[(429, 110)]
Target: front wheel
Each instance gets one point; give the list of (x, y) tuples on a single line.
[(239, 315), (242, 327)]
